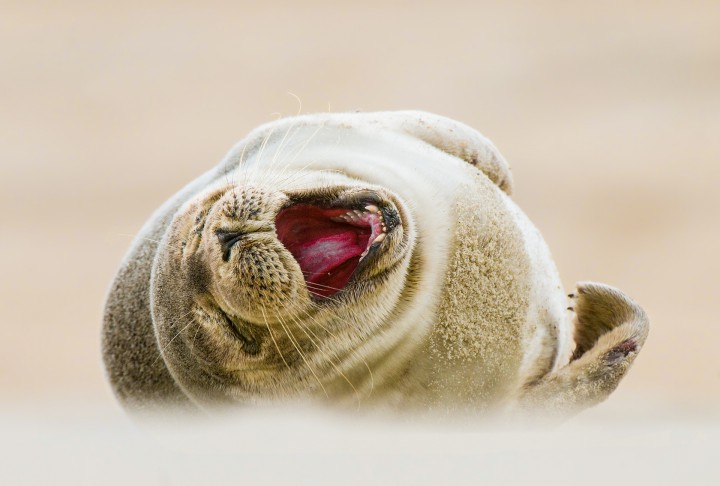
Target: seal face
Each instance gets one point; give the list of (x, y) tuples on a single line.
[(266, 278), (367, 260)]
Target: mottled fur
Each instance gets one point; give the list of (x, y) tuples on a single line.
[(461, 309)]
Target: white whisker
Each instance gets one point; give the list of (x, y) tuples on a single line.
[(302, 355), (164, 348), (352, 351), (262, 309), (329, 359)]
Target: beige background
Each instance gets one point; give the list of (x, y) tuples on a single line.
[(608, 112)]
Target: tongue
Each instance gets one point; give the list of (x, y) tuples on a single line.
[(319, 257), (328, 251)]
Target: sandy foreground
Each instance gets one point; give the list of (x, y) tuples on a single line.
[(73, 447), (608, 114)]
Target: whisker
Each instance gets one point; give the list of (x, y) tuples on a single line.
[(319, 286), (192, 343), (352, 351), (298, 174), (331, 299), (302, 355), (329, 359), (133, 236), (282, 145), (141, 237), (244, 167), (271, 178), (324, 297), (301, 149), (299, 102), (240, 169), (164, 348), (269, 166), (258, 157), (262, 309)]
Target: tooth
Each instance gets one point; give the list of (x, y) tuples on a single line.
[(379, 238), (358, 213), (372, 208)]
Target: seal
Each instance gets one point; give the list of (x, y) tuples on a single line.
[(370, 260)]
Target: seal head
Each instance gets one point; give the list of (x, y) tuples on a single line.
[(277, 287)]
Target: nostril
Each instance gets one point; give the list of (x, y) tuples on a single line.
[(227, 239)]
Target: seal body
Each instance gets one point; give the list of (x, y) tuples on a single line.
[(367, 260)]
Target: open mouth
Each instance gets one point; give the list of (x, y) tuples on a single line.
[(329, 243)]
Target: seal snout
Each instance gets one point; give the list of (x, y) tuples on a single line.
[(249, 271)]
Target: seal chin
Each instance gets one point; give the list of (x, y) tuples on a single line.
[(329, 243)]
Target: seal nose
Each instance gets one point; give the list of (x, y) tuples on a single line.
[(227, 239)]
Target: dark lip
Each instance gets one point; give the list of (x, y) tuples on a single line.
[(372, 254)]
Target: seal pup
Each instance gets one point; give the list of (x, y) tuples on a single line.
[(370, 260)]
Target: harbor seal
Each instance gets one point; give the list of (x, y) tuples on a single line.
[(371, 260)]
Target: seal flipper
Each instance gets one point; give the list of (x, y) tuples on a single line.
[(610, 330), (456, 139)]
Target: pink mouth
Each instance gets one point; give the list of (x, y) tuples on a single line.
[(328, 244)]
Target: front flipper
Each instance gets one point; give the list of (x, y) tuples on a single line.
[(610, 329)]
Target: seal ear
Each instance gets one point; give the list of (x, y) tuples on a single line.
[(456, 139), (610, 329)]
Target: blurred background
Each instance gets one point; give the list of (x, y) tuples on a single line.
[(608, 112)]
